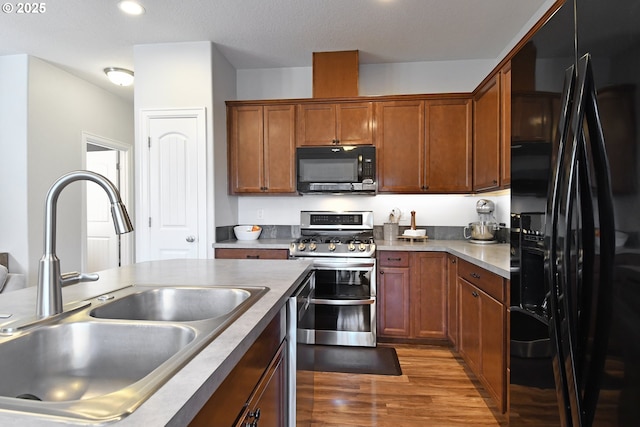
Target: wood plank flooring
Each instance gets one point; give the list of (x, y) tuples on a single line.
[(435, 389)]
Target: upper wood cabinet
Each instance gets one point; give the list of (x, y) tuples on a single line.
[(424, 145), (344, 123), (449, 145), (261, 149), (486, 138), (400, 146), (505, 126)]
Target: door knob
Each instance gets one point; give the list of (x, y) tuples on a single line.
[(191, 239)]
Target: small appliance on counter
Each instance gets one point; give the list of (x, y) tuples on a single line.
[(484, 230)]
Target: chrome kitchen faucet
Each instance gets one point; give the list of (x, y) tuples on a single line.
[(50, 281)]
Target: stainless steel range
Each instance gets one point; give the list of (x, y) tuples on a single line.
[(342, 309)]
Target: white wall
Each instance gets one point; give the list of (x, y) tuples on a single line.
[(14, 227), (224, 88), (191, 75), (431, 210), (59, 107)]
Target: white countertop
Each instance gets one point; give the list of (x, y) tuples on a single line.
[(185, 393), (492, 257)]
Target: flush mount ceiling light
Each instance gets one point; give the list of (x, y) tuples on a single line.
[(119, 76), (131, 7)]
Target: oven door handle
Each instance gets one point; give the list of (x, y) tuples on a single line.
[(342, 301), (343, 266)]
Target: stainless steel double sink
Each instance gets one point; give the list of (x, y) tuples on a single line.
[(99, 362)]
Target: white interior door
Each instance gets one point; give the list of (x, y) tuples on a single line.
[(103, 246), (173, 188)]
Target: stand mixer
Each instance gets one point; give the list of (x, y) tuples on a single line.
[(484, 230)]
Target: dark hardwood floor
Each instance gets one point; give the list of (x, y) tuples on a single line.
[(435, 389)]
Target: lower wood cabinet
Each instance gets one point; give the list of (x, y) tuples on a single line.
[(452, 300), (257, 385), (243, 253), (482, 323), (412, 295)]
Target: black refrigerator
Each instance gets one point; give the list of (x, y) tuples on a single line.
[(575, 308)]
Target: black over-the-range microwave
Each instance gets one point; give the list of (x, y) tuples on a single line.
[(336, 169)]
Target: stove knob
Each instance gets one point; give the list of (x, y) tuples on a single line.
[(351, 247), (312, 246), (301, 246), (292, 247), (332, 246), (362, 247)]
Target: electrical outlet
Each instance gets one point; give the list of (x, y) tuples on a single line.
[(260, 214)]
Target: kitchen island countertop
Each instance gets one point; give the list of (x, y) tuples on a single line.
[(182, 396), (492, 257)]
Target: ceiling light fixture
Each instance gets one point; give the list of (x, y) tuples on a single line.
[(131, 7), (119, 76)]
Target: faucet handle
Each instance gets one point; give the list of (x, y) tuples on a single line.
[(74, 277)]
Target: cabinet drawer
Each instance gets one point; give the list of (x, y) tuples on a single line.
[(489, 282), (393, 259), (240, 253)]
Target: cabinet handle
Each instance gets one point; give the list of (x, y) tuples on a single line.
[(253, 256), (256, 417), (475, 294), (381, 271), (453, 261), (394, 259), (475, 275)]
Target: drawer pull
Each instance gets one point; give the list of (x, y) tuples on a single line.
[(394, 259), (475, 275), (253, 256), (475, 294)]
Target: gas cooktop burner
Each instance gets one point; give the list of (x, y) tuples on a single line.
[(335, 234)]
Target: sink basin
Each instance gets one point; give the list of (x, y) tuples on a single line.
[(179, 304), (81, 360), (99, 362)]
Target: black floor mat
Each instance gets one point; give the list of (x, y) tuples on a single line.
[(353, 360)]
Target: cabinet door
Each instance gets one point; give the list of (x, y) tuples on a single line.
[(400, 142), (505, 126), (449, 145), (393, 302), (316, 124), (267, 407), (486, 150), (469, 323), (246, 154), (429, 294), (354, 123), (493, 351), (452, 300), (279, 149)]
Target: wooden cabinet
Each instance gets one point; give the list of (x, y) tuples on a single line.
[(261, 149), (393, 294), (424, 145), (428, 307), (345, 123), (482, 322), (505, 126), (267, 405), (412, 295), (452, 300), (486, 136), (242, 253), (449, 145), (400, 143), (259, 380)]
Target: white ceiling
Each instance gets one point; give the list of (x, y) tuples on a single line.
[(85, 36)]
